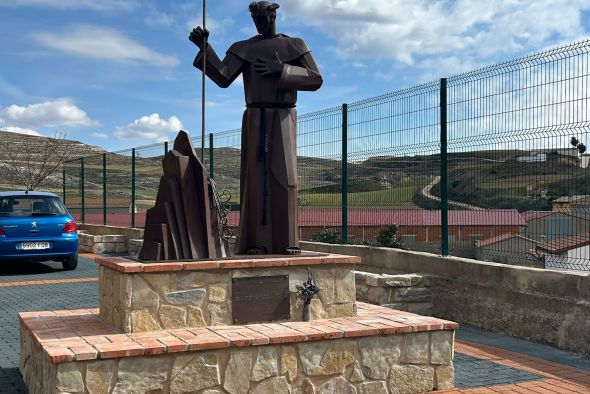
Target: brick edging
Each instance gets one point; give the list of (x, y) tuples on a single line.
[(80, 335), (125, 265)]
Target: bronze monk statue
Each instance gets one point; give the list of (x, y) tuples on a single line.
[(274, 67)]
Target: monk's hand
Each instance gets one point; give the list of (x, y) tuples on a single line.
[(198, 36), (269, 66)]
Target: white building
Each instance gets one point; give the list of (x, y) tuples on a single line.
[(508, 248), (585, 161), (533, 158)]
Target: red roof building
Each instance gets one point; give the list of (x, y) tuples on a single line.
[(511, 249), (570, 253), (501, 238), (417, 225), (564, 245)]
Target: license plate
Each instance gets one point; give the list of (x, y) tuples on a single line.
[(35, 245)]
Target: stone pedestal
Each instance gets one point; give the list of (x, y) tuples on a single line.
[(136, 297), (148, 337)]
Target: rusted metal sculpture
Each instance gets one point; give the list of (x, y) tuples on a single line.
[(184, 223), (274, 67)]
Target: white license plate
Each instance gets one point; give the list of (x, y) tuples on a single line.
[(35, 245)]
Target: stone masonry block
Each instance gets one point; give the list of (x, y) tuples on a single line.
[(416, 349), (441, 348), (114, 238), (412, 294)]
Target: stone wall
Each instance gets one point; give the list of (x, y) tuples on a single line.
[(102, 243), (410, 292), (135, 246), (95, 229), (152, 301), (409, 363), (39, 375), (535, 304)]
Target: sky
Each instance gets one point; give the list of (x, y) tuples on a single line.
[(119, 74)]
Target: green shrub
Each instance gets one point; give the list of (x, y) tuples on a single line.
[(389, 237), (328, 236)]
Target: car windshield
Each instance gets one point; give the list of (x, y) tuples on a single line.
[(27, 206)]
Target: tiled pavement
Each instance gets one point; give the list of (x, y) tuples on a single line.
[(475, 372), (537, 375), (484, 362), (16, 297)]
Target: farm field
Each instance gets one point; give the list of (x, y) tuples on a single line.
[(401, 196)]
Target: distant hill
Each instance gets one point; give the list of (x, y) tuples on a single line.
[(487, 179), (34, 144)]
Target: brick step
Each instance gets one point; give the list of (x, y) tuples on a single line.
[(378, 351), (80, 335), (125, 265)]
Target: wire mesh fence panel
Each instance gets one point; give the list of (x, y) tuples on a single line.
[(93, 189), (319, 167), (119, 188), (148, 171), (196, 140), (72, 185), (226, 166), (393, 148), (518, 180)]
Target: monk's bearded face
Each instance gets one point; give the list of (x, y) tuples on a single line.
[(264, 15)]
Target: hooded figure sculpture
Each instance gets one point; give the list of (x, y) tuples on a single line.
[(274, 67)]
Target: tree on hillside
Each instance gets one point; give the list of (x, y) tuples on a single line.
[(32, 160)]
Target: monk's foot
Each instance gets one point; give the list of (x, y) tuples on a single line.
[(258, 250), (291, 250)]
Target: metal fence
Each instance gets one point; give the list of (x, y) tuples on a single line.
[(479, 165)]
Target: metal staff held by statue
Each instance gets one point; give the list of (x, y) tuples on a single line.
[(203, 88)]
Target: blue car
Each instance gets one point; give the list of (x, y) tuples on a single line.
[(37, 226)]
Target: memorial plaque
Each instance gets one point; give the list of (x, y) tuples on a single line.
[(260, 299)]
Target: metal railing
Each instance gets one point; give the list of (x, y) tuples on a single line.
[(478, 165)]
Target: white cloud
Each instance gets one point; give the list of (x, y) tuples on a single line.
[(102, 136), (155, 17), (97, 42), (95, 5), (150, 127), (18, 130), (60, 112), (407, 31), (10, 89)]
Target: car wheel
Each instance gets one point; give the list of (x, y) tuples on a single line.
[(70, 263)]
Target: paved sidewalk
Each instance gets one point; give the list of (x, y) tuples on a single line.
[(485, 362), (481, 368), (34, 287)]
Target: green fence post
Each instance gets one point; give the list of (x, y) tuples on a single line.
[(165, 148), (444, 180), (104, 189), (344, 174), (133, 188), (82, 191), (211, 157), (63, 183)]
